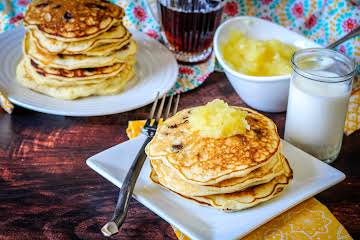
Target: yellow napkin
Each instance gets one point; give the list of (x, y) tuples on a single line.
[(308, 220), (352, 122)]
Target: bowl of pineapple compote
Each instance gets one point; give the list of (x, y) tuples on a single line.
[(256, 57)]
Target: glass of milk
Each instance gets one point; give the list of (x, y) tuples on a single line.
[(320, 88)]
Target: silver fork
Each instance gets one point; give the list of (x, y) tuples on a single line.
[(122, 205)]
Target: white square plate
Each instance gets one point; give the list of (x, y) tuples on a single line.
[(311, 176)]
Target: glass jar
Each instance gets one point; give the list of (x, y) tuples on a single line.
[(319, 93)]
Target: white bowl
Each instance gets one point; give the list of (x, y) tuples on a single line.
[(268, 94)]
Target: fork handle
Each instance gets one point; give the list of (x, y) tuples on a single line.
[(127, 188)]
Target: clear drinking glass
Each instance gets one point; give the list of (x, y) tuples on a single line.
[(189, 26), (319, 93)]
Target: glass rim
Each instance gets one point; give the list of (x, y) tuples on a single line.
[(315, 77)]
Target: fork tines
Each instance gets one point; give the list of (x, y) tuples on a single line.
[(160, 111)]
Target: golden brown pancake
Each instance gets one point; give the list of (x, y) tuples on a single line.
[(48, 74), (170, 179), (116, 35), (207, 161), (72, 20), (71, 62), (107, 86), (109, 48), (242, 199)]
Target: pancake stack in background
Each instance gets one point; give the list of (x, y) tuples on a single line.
[(231, 173), (76, 48)]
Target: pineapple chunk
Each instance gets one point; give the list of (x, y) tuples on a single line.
[(218, 120), (256, 57)]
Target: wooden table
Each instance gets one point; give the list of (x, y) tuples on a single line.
[(48, 192)]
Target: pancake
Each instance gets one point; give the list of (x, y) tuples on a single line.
[(73, 20), (115, 35), (110, 86), (108, 49), (48, 75), (170, 179), (71, 62), (251, 196), (207, 161), (243, 199)]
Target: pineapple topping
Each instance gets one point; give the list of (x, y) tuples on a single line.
[(257, 57), (217, 119)]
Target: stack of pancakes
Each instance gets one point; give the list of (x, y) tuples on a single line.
[(230, 173), (76, 48)]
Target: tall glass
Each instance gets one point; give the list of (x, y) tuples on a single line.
[(320, 88), (189, 26)]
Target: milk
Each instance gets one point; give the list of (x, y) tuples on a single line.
[(316, 115)]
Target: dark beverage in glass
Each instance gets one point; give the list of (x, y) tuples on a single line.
[(189, 27)]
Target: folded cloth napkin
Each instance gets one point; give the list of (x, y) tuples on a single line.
[(308, 220)]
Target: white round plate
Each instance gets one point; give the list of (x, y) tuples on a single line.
[(156, 71)]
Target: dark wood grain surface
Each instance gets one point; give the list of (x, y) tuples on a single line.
[(48, 192)]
